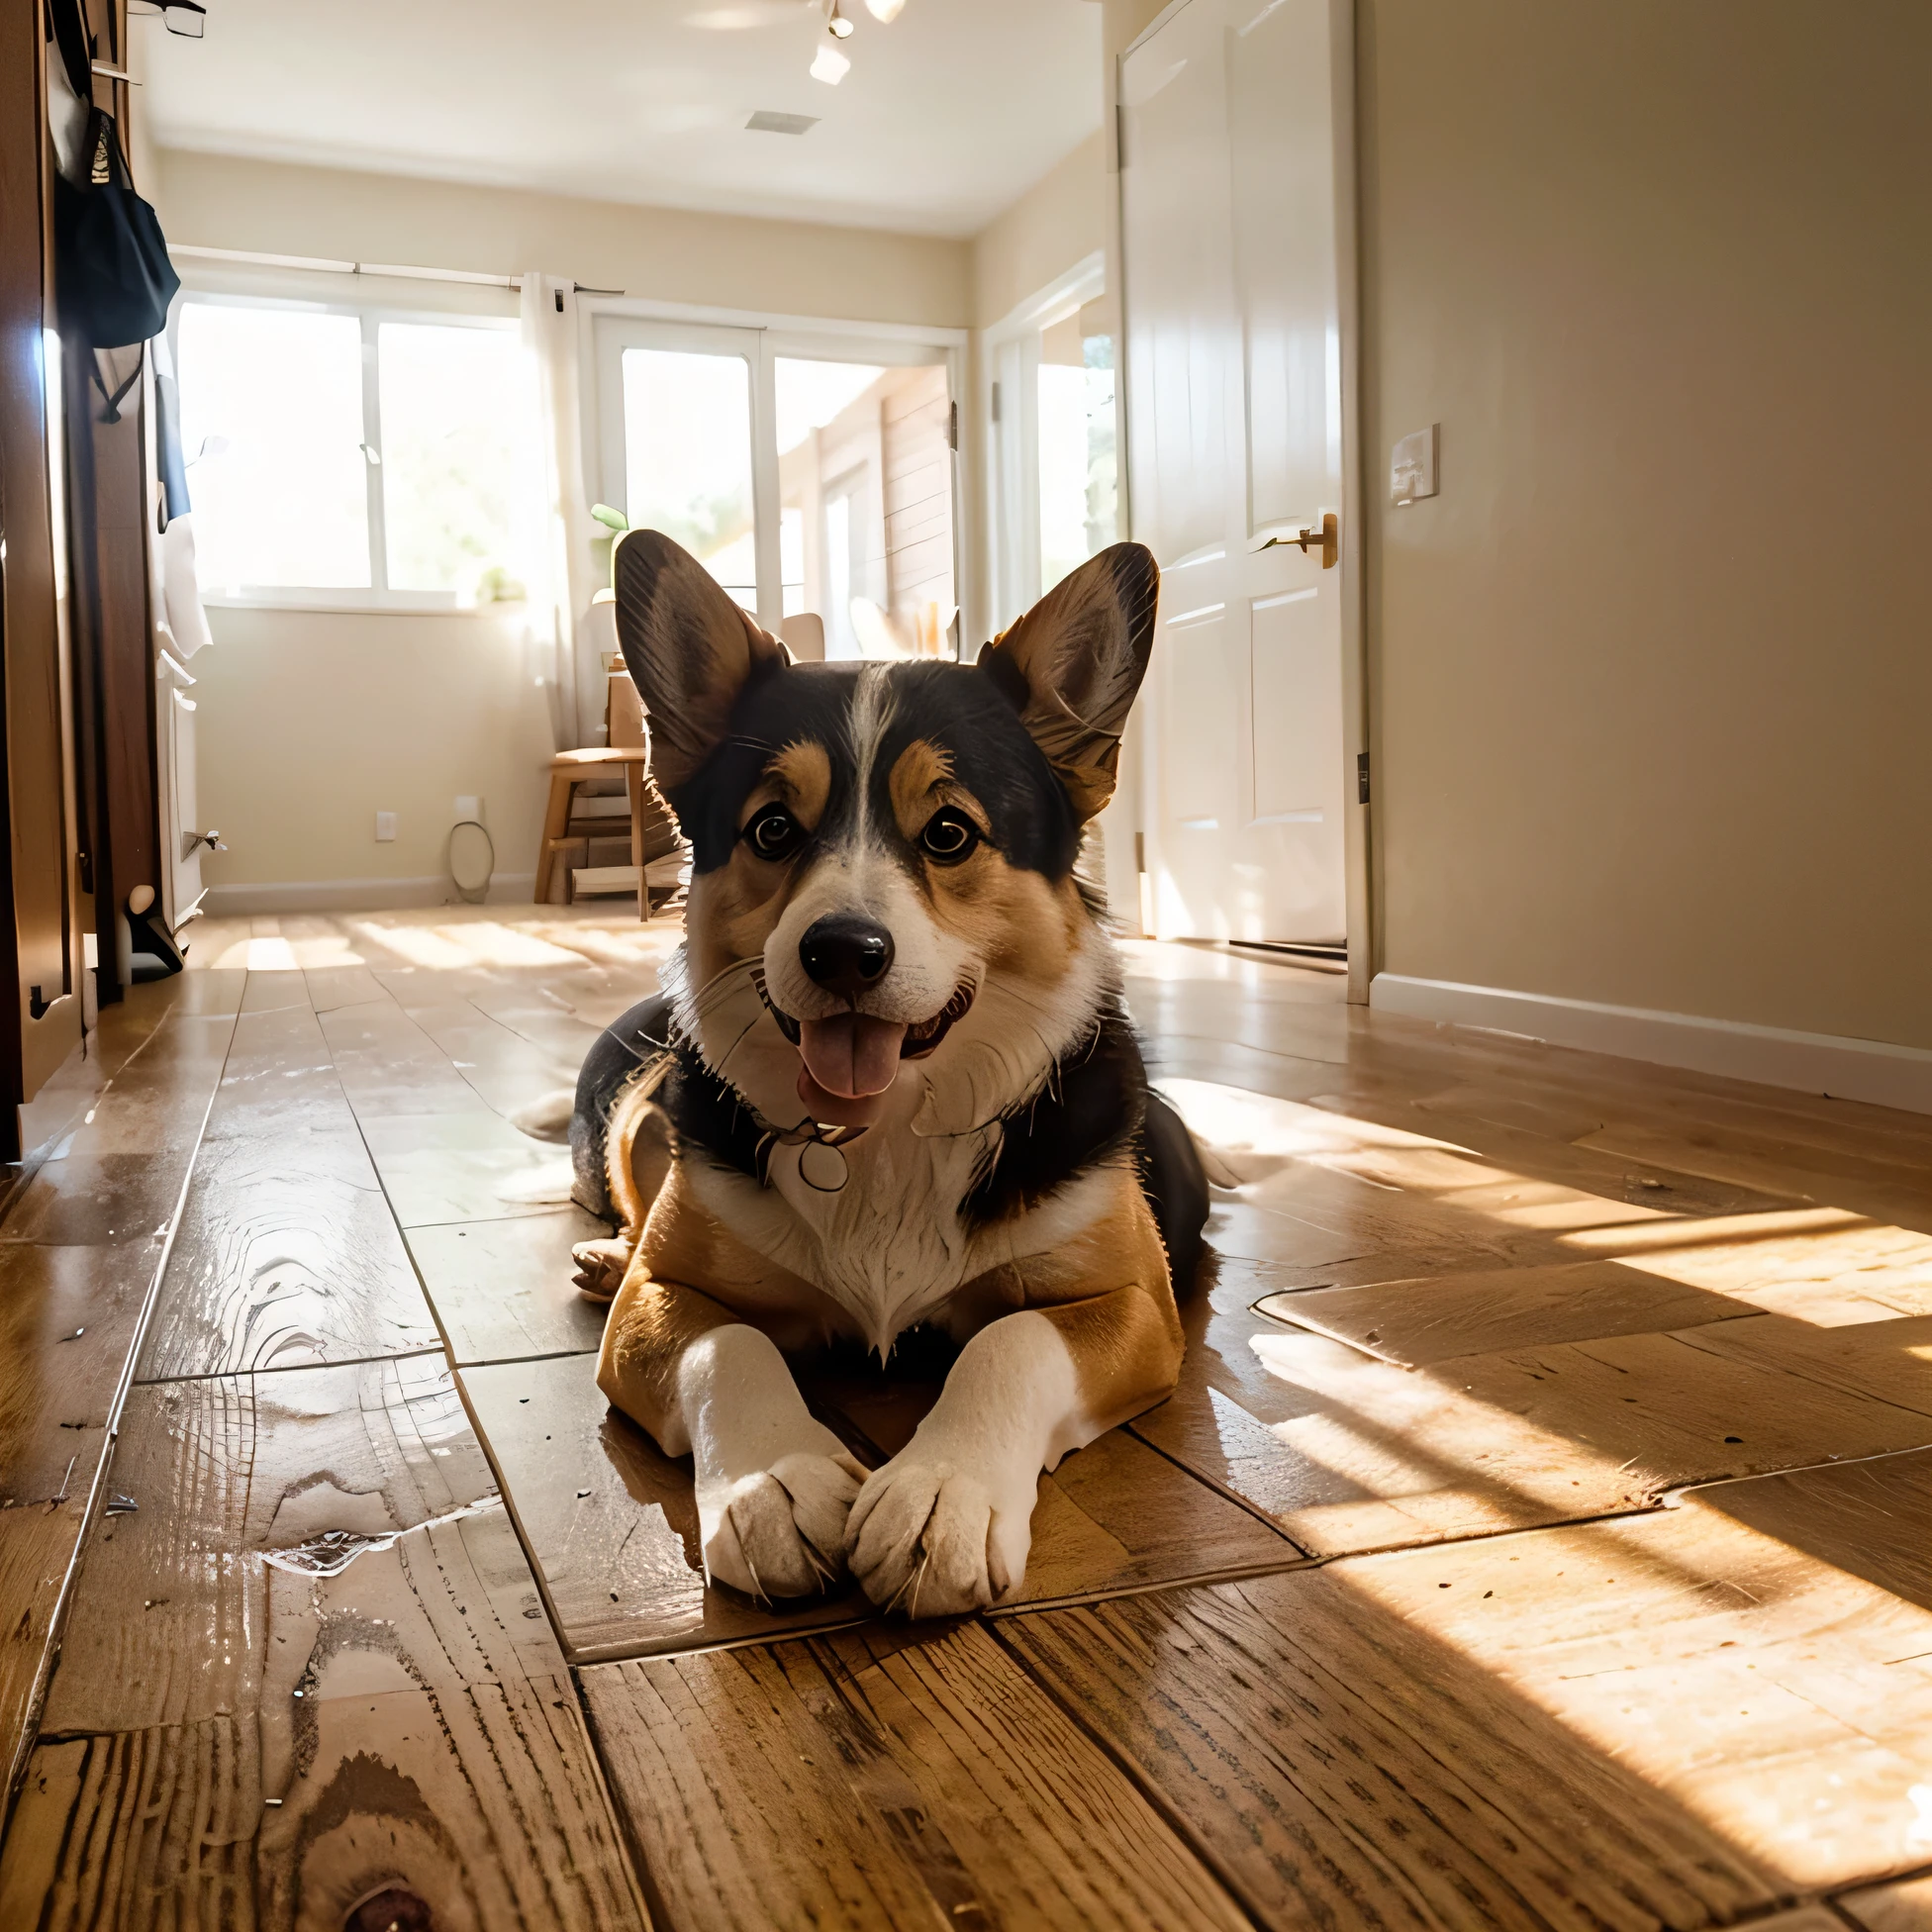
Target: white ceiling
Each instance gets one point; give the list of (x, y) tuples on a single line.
[(947, 116)]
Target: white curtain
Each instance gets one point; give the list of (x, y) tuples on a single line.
[(559, 570)]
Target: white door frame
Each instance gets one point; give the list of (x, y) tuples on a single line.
[(1357, 730), (1010, 360)]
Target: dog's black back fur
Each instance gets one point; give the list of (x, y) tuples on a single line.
[(1097, 1104)]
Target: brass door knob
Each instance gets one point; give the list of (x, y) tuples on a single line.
[(1328, 539)]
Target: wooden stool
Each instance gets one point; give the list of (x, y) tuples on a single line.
[(652, 834)]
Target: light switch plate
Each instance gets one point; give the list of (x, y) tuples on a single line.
[(385, 827), (1411, 466)]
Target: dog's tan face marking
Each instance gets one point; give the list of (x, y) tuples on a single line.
[(799, 778), (1014, 920), (733, 908)]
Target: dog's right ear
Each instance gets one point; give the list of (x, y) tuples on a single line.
[(690, 650)]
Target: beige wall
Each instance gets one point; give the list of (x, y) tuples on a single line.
[(1056, 223), (669, 254), (1653, 675), (310, 724)]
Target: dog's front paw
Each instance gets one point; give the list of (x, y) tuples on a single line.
[(780, 1532), (937, 1537), (600, 1267)]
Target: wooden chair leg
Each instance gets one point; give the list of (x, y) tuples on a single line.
[(556, 815), (633, 783)]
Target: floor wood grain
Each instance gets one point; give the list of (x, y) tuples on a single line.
[(611, 1522), (1342, 1767), (1538, 1537), (315, 1627), (1903, 1907), (503, 1288), (882, 1779)]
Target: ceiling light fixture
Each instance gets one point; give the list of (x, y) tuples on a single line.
[(884, 11), (830, 65)]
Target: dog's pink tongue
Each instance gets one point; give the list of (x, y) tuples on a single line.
[(852, 1055)]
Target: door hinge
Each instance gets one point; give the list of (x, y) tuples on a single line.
[(952, 425), (1119, 137), (996, 402), (1361, 778)]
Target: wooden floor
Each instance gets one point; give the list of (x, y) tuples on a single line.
[(1541, 1535)]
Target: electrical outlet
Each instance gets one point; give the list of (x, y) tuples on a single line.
[(385, 827)]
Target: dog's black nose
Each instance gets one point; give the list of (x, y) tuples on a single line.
[(845, 953)]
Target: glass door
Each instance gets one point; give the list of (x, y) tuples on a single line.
[(680, 420), (809, 473)]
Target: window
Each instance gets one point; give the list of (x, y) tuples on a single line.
[(352, 456), (806, 473)]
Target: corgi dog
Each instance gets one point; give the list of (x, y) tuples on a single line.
[(891, 1083)]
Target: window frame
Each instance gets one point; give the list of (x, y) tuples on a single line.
[(379, 596), (611, 325)]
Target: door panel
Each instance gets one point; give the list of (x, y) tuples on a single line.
[(1228, 227), (1178, 255), (1281, 176)]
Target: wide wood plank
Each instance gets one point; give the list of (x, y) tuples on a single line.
[(224, 1469), (612, 1522), (1778, 1700), (1433, 1317), (882, 1779), (470, 1165), (503, 1288), (411, 1732), (1870, 1519), (1342, 1766), (279, 1074), (69, 1307), (287, 1256), (1903, 1907), (1351, 1453), (311, 1661), (388, 1065)]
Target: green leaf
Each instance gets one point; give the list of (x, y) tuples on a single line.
[(612, 518)]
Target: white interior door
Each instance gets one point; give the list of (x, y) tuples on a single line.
[(1230, 240)]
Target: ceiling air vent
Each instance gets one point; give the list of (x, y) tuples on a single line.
[(767, 121)]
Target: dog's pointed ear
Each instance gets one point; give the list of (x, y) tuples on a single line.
[(1073, 663), (690, 650)]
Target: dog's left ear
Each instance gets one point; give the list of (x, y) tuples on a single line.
[(1071, 664), (690, 650)]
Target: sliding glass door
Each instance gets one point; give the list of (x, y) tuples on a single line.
[(808, 473)]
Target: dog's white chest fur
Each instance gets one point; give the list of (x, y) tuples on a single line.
[(893, 1244), (889, 1246)]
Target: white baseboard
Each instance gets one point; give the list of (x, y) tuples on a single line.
[(359, 895), (1812, 1063)]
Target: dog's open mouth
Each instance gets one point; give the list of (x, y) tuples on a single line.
[(920, 1040), (851, 1059)]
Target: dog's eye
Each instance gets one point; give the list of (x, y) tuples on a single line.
[(949, 836), (774, 834)]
